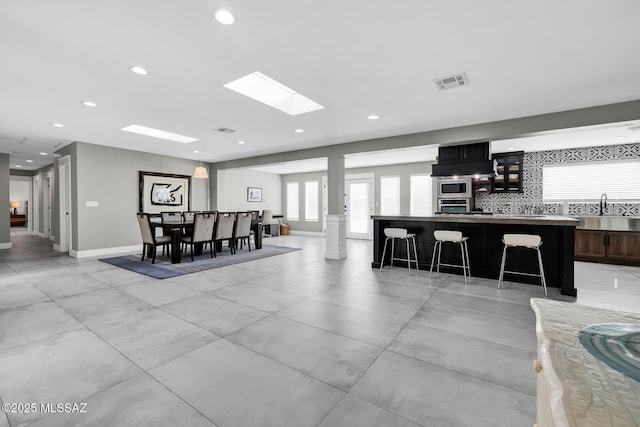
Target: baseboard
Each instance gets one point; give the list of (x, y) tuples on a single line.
[(40, 234), (5, 245), (307, 233), (104, 251), (57, 248)]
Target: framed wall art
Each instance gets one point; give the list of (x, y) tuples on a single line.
[(254, 194), (163, 192)]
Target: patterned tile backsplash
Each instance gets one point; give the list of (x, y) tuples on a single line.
[(531, 201)]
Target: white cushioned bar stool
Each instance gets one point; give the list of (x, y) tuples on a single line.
[(529, 241), (401, 234), (443, 236)]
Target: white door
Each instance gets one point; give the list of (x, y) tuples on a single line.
[(46, 199), (64, 172), (325, 208), (359, 208)]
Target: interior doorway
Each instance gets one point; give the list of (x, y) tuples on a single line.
[(64, 204), (359, 204)]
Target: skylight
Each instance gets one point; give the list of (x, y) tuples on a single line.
[(268, 91), (157, 133)]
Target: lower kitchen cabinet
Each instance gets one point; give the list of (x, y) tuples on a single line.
[(615, 247)]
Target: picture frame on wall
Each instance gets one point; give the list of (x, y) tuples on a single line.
[(254, 194), (163, 192)]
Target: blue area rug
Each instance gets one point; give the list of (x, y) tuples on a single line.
[(163, 269)]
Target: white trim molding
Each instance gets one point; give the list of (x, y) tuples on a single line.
[(5, 245), (306, 233), (105, 251)]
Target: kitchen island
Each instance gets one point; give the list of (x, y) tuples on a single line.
[(485, 245)]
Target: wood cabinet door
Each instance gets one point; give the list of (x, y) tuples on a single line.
[(624, 246), (590, 244)]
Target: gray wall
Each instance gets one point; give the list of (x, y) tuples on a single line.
[(5, 237), (404, 171), (110, 177)]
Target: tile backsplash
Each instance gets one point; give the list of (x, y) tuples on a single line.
[(531, 200)]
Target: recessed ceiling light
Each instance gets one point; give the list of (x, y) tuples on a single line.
[(621, 137), (240, 142), (373, 117), (225, 17), (196, 151), (299, 130), (511, 148), (139, 70), (29, 161), (44, 154), (268, 91), (157, 133), (18, 166), (89, 104), (57, 125)]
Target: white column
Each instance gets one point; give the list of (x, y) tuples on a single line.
[(336, 235)]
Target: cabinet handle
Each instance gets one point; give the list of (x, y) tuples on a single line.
[(537, 366)]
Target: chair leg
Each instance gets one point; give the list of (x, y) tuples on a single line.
[(144, 249), (433, 258), (544, 282), (211, 248), (192, 245), (384, 251), (466, 250), (393, 250), (504, 257), (415, 253), (464, 262), (155, 249), (408, 256)]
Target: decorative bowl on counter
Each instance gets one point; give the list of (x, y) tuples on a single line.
[(615, 344)]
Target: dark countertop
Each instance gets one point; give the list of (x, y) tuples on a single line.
[(563, 221)]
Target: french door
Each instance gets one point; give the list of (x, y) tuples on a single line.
[(359, 208)]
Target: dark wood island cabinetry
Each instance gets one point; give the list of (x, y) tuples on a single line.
[(485, 244)]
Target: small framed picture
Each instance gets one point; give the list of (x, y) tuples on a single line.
[(254, 194)]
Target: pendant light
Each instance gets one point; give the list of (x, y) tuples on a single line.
[(200, 172)]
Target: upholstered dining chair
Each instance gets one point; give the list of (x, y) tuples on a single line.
[(242, 229), (149, 240), (267, 222), (203, 224), (224, 229), (170, 216)]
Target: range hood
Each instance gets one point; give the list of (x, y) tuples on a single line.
[(464, 160)]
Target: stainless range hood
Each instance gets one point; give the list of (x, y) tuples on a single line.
[(464, 160)]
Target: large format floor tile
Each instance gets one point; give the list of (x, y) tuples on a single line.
[(435, 396), (17, 293), (214, 314), (331, 358), (258, 297), (152, 337), (104, 304), (354, 412), (63, 368), (233, 386), (22, 325), (357, 324), (158, 292), (138, 402)]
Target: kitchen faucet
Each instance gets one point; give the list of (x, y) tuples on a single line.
[(603, 203)]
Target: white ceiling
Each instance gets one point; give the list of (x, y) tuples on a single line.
[(353, 57)]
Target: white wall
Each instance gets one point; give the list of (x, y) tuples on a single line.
[(232, 190), (19, 187)]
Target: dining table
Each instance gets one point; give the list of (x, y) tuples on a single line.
[(175, 227)]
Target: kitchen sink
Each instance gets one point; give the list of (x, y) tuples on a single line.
[(609, 223)]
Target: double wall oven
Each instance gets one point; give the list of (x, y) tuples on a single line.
[(454, 195)]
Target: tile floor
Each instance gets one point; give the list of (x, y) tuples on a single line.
[(293, 340)]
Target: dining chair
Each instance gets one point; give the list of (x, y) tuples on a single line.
[(267, 222), (149, 240), (224, 230), (242, 229), (203, 224), (170, 216)]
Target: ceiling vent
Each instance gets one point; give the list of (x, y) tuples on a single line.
[(450, 82), (224, 130)]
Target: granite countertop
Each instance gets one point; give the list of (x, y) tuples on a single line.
[(487, 219)]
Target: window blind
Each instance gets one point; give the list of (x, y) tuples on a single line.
[(620, 180), (390, 195), (292, 201), (311, 200)]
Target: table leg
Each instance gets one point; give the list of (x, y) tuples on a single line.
[(176, 253), (257, 236)]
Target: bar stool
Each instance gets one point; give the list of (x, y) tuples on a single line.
[(401, 234), (451, 236), (529, 241)]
